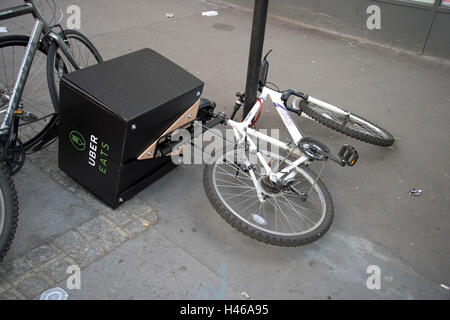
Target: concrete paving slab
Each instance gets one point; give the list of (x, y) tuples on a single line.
[(152, 267), (46, 210), (29, 275)]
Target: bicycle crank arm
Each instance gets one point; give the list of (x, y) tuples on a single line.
[(348, 156)]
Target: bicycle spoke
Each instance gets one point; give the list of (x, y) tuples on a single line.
[(4, 66), (233, 175), (35, 96), (367, 129), (14, 74), (231, 186), (299, 206), (243, 194), (284, 215), (300, 216), (238, 179), (249, 205)]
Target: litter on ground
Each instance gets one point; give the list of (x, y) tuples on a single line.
[(210, 13)]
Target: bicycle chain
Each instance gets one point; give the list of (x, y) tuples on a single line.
[(15, 159)]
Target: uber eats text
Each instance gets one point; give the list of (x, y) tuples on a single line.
[(98, 153)]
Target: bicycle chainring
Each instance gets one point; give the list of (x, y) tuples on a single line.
[(15, 158), (314, 149)]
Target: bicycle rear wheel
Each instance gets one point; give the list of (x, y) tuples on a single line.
[(35, 101), (84, 53), (284, 219), (353, 125)]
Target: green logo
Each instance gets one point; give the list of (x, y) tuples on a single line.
[(77, 140)]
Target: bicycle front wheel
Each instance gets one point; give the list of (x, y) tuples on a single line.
[(285, 218), (35, 101), (9, 211), (352, 125), (83, 52)]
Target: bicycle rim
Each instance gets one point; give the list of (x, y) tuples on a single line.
[(283, 213), (2, 211), (366, 127), (352, 122)]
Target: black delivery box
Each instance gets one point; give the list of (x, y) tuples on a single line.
[(112, 112)]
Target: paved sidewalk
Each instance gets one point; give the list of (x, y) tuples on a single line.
[(41, 255), (168, 242)]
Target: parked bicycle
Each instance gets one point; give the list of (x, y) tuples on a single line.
[(30, 70), (277, 198)]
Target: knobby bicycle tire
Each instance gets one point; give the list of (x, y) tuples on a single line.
[(9, 211), (384, 138)]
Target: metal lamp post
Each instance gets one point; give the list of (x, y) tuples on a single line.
[(255, 55)]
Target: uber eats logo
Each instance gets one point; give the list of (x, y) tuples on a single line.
[(77, 140), (98, 151)]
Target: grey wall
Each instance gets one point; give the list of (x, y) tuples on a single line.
[(438, 43), (424, 29)]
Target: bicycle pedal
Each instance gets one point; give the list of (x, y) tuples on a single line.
[(348, 155)]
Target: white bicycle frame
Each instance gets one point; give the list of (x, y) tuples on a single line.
[(244, 134)]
